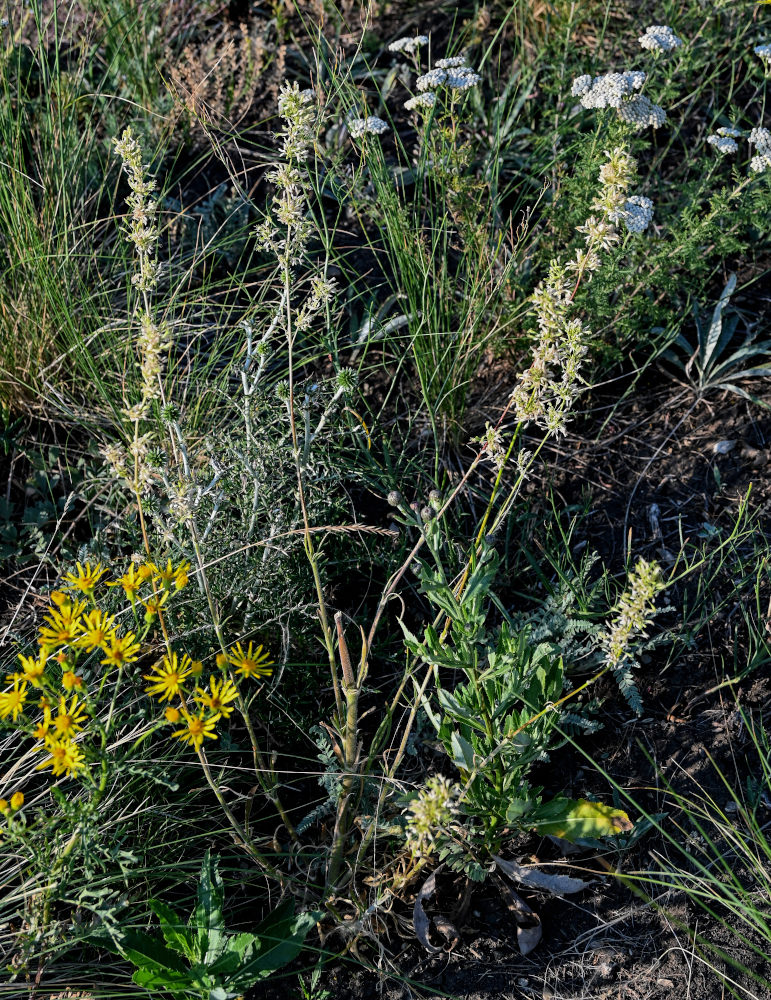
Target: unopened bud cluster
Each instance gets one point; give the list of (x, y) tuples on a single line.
[(429, 814), (634, 611)]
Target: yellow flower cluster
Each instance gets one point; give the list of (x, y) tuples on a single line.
[(73, 628), (169, 680), (17, 801)]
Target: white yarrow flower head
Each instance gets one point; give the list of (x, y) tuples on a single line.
[(424, 100), (723, 144), (638, 213), (410, 45), (451, 62), (660, 38), (640, 111), (761, 138), (730, 132), (434, 78), (372, 125), (581, 85), (462, 79), (764, 51), (760, 163), (609, 90)]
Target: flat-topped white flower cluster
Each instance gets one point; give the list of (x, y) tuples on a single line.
[(451, 72), (618, 90), (659, 38), (372, 125), (638, 213), (760, 138), (724, 144), (724, 141), (608, 90), (410, 45)]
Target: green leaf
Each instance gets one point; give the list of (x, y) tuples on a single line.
[(518, 808), (175, 932), (579, 819), (149, 952), (463, 752), (176, 985), (281, 935), (208, 918)]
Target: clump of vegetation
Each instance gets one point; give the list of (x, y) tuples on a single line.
[(308, 325)]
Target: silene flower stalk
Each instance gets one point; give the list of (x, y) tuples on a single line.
[(545, 392)]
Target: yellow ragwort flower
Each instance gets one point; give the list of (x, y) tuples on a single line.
[(98, 630), (145, 570), (33, 668), (219, 696), (17, 800), (222, 660), (197, 727), (12, 702), (153, 605), (66, 757), (172, 714), (72, 681), (252, 663), (42, 729), (122, 650), (86, 579), (4, 807), (62, 626), (181, 575), (168, 676), (70, 720), (130, 581), (59, 598), (165, 574)]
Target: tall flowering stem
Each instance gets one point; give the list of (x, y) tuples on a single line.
[(546, 391), (153, 340), (285, 232)]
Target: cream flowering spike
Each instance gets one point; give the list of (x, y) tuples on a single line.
[(287, 240), (153, 341), (634, 612), (545, 392)]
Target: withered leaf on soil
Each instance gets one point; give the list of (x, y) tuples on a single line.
[(559, 885), (529, 930), (420, 919)]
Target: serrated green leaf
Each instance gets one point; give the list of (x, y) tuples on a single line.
[(148, 952)]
